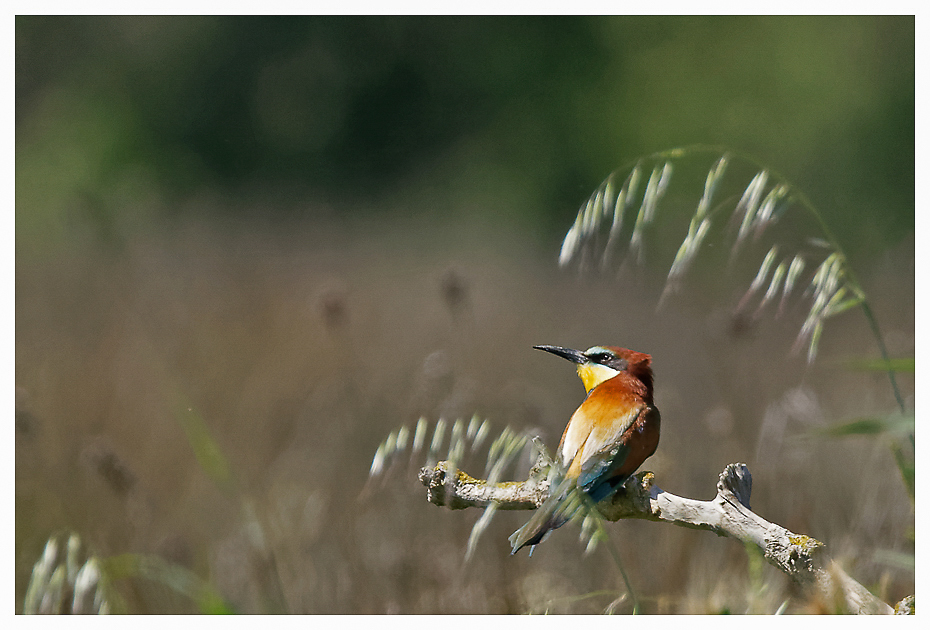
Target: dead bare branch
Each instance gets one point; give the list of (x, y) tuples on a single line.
[(799, 556)]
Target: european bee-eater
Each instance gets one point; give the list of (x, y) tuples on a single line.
[(607, 438)]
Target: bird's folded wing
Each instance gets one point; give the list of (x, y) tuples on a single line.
[(601, 466)]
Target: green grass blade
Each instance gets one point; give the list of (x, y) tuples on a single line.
[(206, 450), (903, 365), (872, 426), (175, 577)]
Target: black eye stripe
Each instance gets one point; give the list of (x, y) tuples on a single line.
[(608, 359)]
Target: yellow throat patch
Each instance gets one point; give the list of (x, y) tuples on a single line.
[(593, 374)]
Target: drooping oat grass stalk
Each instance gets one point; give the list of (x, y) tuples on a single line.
[(762, 221), (655, 189), (66, 580), (478, 529), (697, 229), (466, 439)]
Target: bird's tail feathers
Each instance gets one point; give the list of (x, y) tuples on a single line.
[(555, 511)]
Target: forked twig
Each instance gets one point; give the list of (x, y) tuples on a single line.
[(801, 557)]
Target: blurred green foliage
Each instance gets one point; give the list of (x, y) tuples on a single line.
[(208, 453), (172, 576), (516, 118), (903, 424), (899, 364)]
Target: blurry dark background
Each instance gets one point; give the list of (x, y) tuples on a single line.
[(524, 114), (314, 230)]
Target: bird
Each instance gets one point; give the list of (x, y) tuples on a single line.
[(613, 431)]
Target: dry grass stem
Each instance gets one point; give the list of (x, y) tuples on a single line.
[(599, 232)]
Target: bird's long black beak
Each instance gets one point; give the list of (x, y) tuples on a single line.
[(575, 356)]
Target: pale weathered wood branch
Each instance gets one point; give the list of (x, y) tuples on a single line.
[(799, 556)]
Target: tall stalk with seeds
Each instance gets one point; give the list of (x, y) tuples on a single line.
[(756, 216)]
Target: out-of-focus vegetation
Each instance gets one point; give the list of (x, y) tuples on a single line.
[(249, 248), (512, 118)]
